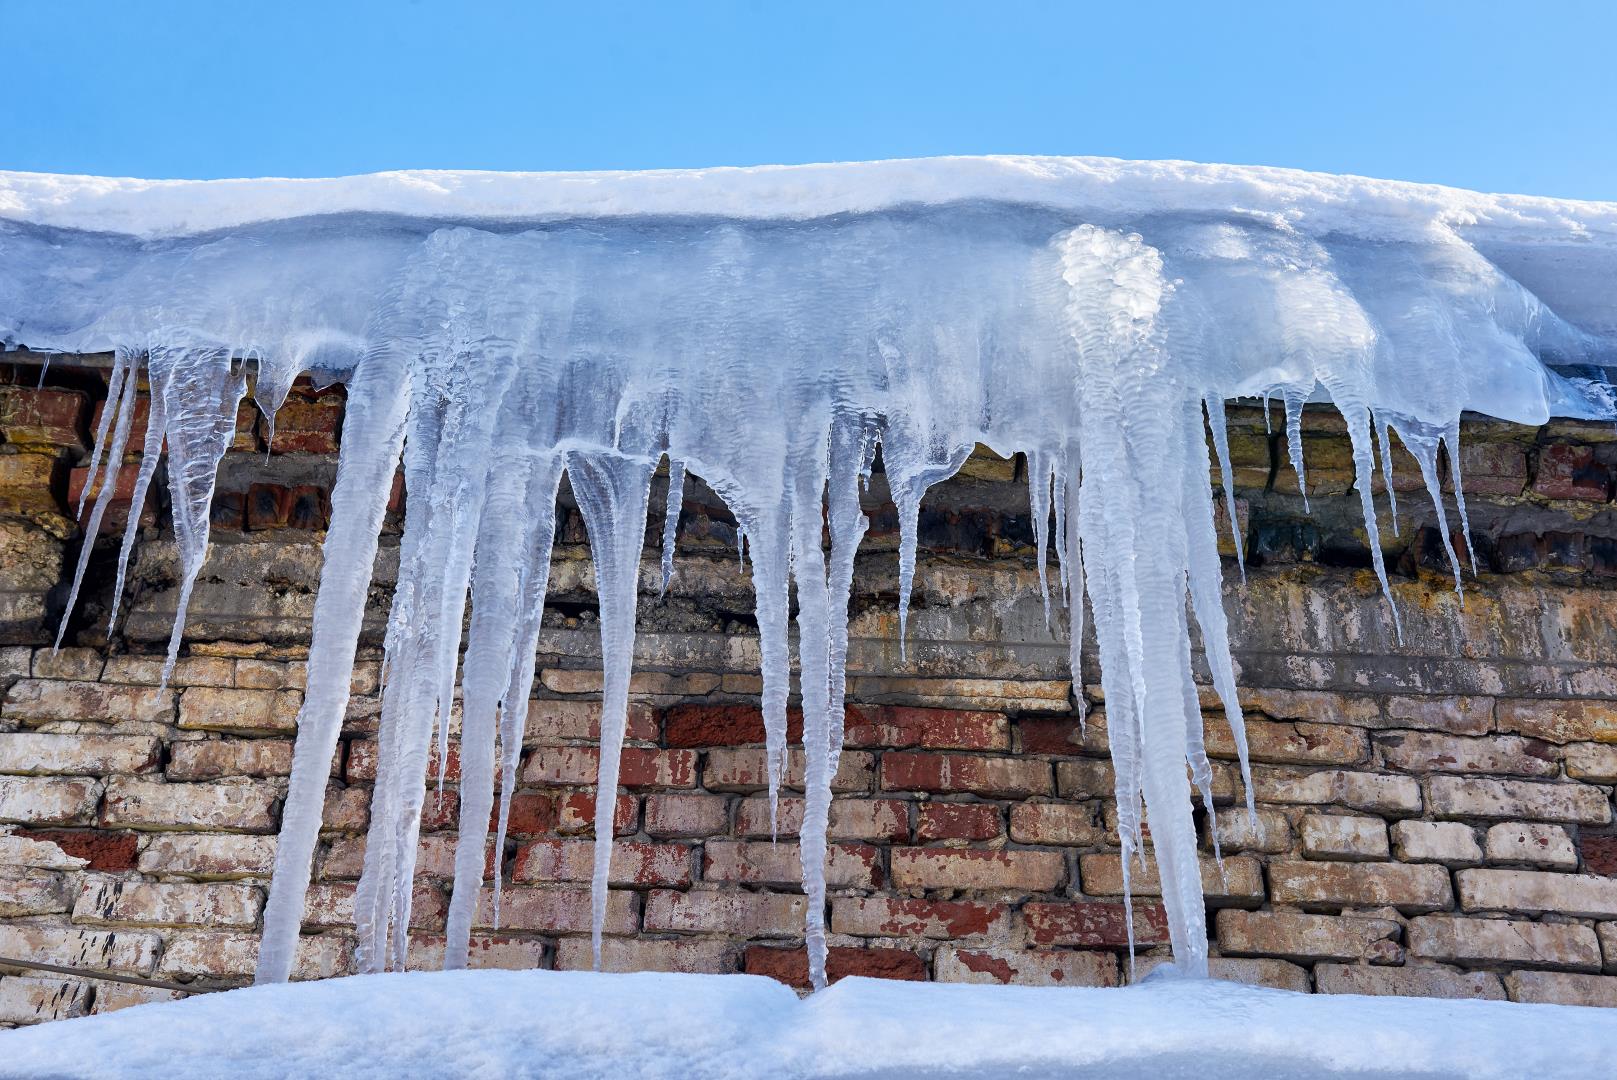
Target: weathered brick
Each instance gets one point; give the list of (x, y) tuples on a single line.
[(1336, 836), (632, 863), (1533, 892), (941, 868), (213, 759), (111, 997), (35, 850), (25, 999), (553, 720), (1289, 742), (1065, 824), (1571, 472), (642, 684), (123, 952), (1452, 843), (43, 416), (1423, 981), (330, 905), (362, 761), (851, 819), (69, 663), (1503, 755), (1563, 721), (1503, 941), (1408, 887), (29, 800), (109, 851), (484, 951), (1319, 706), (42, 701), (434, 857), (641, 768), (1592, 762), (1456, 715), (1095, 924), (1240, 882), (1561, 988), (740, 914), (882, 916), (847, 865), (1063, 734), (346, 809), (1293, 935), (957, 821), (1474, 797), (790, 966), (1026, 967), (209, 855), (1525, 842), (1086, 778), (230, 805), (745, 770), (1371, 792), (25, 890), (222, 954), (307, 426), (575, 814), (81, 755), (188, 670), (994, 777), (142, 903), (685, 816), (213, 708), (932, 729), (1237, 831), (694, 955)]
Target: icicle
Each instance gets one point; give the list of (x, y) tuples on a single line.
[(124, 406), (368, 459), (543, 481), (1451, 440), (1294, 440), (612, 493), (771, 567), (123, 360), (851, 444), (151, 454), (1384, 438), (1040, 474), (671, 510), (1424, 446), (1358, 425), (201, 394), (1226, 475)]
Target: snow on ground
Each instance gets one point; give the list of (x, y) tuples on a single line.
[(581, 1025)]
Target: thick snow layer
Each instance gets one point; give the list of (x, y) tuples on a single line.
[(583, 1026), (772, 331)]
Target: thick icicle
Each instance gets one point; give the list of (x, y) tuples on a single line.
[(367, 463), (671, 510), (612, 492)]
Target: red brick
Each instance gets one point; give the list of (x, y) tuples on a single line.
[(1063, 735), (997, 777), (941, 868), (529, 814), (1034, 967), (1599, 854), (882, 916), (137, 420), (937, 729), (576, 814), (567, 765), (557, 910), (957, 821), (106, 850), (42, 416), (123, 493), (632, 864), (310, 427), (744, 769), (701, 725), (1095, 924), (1571, 472), (790, 966)]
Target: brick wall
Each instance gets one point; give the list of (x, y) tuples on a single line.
[(1433, 818)]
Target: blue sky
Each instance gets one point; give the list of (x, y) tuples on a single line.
[(1496, 96)]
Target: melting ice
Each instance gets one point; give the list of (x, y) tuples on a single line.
[(767, 331)]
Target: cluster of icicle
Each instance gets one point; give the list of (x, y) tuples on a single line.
[(771, 359)]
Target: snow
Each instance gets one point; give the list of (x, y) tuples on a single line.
[(770, 331), (582, 1025)]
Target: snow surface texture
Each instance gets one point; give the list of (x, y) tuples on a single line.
[(716, 1027), (768, 330)]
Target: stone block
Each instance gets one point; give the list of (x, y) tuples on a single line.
[(1350, 839), (1481, 942), (1292, 935), (1408, 887), (1452, 843)]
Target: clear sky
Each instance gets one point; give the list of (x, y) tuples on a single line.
[(1498, 96)]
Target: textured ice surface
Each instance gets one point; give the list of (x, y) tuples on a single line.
[(582, 1026), (769, 330)]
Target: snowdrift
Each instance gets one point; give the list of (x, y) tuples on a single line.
[(583, 1026)]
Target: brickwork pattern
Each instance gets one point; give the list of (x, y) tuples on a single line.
[(1433, 817)]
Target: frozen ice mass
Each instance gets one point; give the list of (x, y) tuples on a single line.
[(772, 331)]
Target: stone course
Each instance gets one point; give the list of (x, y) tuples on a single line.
[(1432, 818)]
